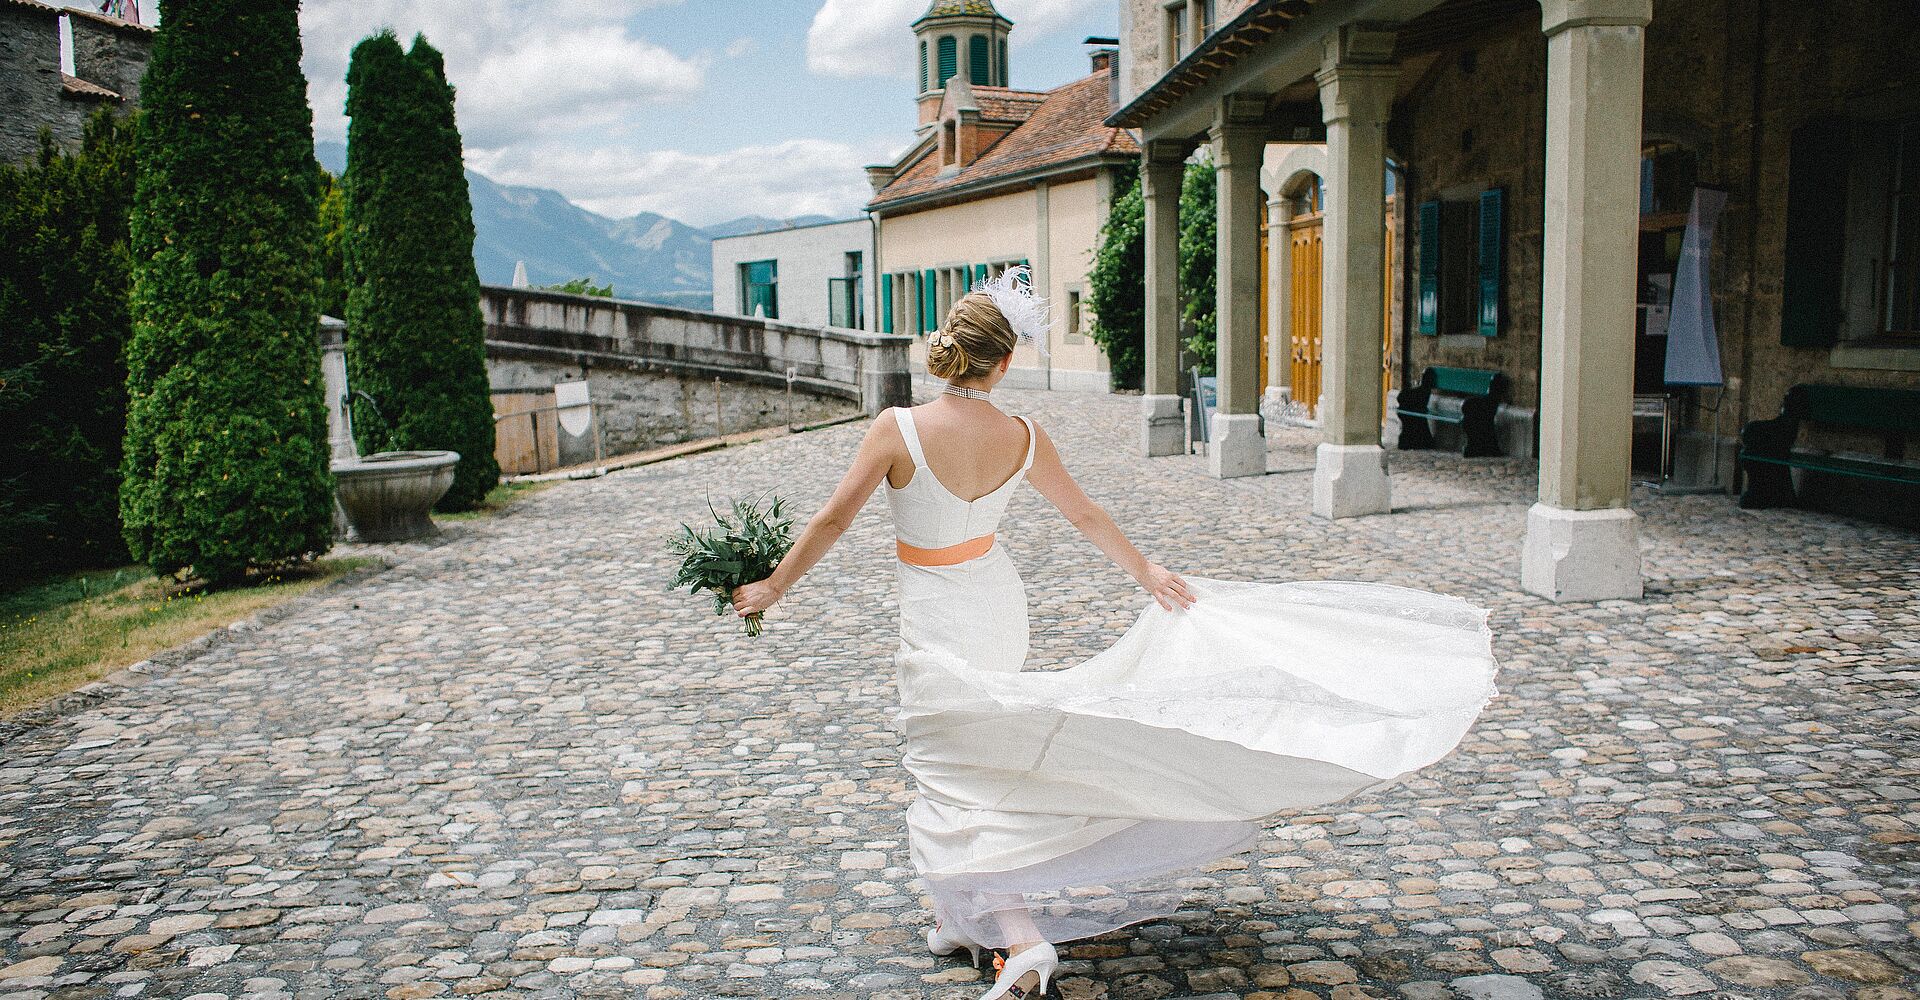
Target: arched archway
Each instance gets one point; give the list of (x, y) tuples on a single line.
[(1290, 296)]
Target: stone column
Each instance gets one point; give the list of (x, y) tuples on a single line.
[(1236, 446), (1356, 94), (1161, 169), (1582, 543), (1279, 302)]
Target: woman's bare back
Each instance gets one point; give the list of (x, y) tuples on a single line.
[(972, 449)]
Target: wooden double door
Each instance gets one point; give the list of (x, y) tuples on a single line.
[(1305, 243)]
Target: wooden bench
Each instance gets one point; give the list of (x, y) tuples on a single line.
[(1465, 396), (1768, 456)]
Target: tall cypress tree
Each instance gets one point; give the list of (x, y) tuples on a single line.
[(415, 338), (226, 450), (1116, 288)]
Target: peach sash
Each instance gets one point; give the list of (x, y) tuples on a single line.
[(945, 555)]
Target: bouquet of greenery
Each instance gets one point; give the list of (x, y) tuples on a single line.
[(737, 550)]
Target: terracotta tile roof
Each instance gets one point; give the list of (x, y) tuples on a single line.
[(112, 22), (91, 91), (1064, 129), (32, 5), (1004, 104)]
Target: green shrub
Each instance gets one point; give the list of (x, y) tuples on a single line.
[(1116, 289), (332, 237), (581, 286), (1199, 268), (415, 339), (63, 325), (226, 448)]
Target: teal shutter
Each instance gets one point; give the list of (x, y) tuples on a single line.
[(930, 300), (1491, 265), (949, 58), (1428, 307), (923, 68), (1815, 245), (1003, 62), (966, 279), (979, 273), (977, 69), (886, 303)]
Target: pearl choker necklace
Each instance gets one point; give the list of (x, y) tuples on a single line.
[(967, 391)]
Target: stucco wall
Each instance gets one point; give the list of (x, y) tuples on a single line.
[(806, 257), (1007, 227)]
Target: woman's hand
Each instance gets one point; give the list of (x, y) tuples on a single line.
[(756, 597), (1166, 587)]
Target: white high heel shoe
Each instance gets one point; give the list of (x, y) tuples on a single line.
[(1040, 958), (945, 942)]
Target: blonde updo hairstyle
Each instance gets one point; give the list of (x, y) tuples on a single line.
[(973, 340)]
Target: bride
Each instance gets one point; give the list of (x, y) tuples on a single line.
[(1049, 801)]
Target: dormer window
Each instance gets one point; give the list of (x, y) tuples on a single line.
[(949, 143)]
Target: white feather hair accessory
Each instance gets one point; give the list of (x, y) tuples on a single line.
[(1012, 293)]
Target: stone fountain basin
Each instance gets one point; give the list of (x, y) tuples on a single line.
[(388, 495)]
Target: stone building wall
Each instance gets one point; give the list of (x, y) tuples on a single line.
[(30, 88), (1713, 70), (109, 58)]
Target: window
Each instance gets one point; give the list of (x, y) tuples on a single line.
[(1003, 63), (844, 304), (1900, 316), (1202, 20), (1462, 247), (1076, 322), (1176, 33), (923, 68), (949, 58), (758, 295), (977, 59)]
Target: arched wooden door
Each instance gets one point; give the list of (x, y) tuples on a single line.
[(1306, 233)]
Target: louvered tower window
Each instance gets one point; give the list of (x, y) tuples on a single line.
[(923, 68), (949, 58), (1003, 64), (978, 57)]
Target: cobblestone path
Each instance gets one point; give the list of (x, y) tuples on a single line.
[(514, 762)]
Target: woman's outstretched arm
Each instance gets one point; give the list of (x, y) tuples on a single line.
[(1050, 476), (825, 527)]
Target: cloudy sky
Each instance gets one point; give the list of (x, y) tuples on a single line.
[(702, 110)]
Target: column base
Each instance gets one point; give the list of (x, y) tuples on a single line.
[(1581, 555), (1235, 446), (1350, 480), (1162, 431)]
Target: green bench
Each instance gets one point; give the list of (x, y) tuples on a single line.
[(1466, 396), (1768, 456)]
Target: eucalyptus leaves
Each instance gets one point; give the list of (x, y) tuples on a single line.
[(739, 549)]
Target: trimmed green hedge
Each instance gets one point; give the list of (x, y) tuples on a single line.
[(415, 339), (1199, 267), (63, 324), (1117, 289), (226, 448)]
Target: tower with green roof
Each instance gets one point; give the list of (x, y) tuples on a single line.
[(956, 37)]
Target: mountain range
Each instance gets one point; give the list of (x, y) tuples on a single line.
[(648, 257)]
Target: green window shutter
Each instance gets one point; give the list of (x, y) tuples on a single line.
[(1491, 265), (1003, 63), (923, 68), (1428, 314), (930, 300), (886, 303), (949, 58), (966, 280), (979, 273), (1815, 246), (977, 69)]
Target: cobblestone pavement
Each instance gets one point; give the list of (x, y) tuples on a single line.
[(514, 762)]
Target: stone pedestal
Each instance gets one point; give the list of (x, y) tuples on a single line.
[(1581, 555), (1162, 430), (1350, 480), (1235, 446)]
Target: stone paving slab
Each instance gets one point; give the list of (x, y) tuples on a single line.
[(514, 764)]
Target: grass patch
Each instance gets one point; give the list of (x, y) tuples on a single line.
[(59, 634), (499, 498)]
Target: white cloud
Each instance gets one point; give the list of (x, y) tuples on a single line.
[(741, 46), (519, 67), (796, 177), (859, 38)]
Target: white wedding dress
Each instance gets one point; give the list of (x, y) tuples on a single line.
[(1057, 796)]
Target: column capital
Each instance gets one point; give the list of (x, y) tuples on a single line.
[(1359, 92), (1164, 154), (1559, 15), (1358, 42)]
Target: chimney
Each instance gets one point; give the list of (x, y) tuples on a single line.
[(1106, 59)]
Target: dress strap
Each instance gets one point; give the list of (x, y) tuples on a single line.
[(904, 416), (1031, 434)]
